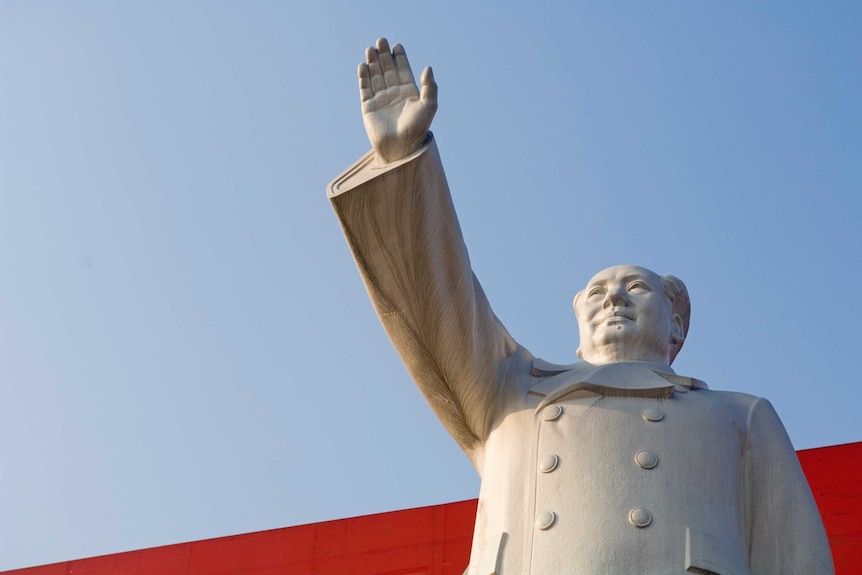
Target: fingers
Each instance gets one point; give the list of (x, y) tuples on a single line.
[(405, 74), (387, 63), (428, 89), (387, 69), (365, 91), (375, 71)]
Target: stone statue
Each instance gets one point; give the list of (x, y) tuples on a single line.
[(615, 464)]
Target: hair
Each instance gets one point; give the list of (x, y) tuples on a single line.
[(677, 294)]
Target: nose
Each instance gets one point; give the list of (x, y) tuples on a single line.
[(615, 297)]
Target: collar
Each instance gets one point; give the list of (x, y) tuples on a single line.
[(625, 378)]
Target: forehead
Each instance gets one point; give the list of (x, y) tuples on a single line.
[(625, 274)]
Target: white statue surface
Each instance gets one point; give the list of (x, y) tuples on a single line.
[(615, 464)]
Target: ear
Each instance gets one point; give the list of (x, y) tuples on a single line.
[(677, 331), (576, 301)]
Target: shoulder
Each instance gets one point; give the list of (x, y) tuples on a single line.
[(729, 398), (743, 405)]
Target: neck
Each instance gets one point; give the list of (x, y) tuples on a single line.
[(616, 354)]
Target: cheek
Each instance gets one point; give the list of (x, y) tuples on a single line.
[(585, 322), (652, 314), (656, 306)]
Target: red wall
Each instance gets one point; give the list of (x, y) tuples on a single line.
[(835, 476), (430, 540)]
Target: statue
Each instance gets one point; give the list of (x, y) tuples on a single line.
[(615, 464)]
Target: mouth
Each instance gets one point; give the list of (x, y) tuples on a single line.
[(615, 316)]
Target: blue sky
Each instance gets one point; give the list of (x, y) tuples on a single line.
[(186, 348)]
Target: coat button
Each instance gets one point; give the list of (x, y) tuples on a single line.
[(552, 412), (646, 459), (640, 517), (652, 414), (545, 520), (548, 463)]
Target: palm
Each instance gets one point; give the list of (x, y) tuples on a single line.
[(396, 114)]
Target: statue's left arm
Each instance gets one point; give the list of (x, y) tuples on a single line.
[(786, 534)]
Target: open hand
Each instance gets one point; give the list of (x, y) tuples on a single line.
[(396, 114)]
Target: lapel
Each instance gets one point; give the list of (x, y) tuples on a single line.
[(622, 379)]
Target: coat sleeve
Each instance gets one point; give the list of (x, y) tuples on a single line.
[(786, 534), (401, 227)]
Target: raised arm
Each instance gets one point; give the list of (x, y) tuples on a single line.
[(397, 215), (396, 114)]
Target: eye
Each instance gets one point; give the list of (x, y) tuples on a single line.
[(638, 286), (595, 291)]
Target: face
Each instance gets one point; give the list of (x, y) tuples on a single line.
[(624, 315)]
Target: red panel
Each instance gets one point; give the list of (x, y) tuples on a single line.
[(424, 541), (835, 476), (429, 540)]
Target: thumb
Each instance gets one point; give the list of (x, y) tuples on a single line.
[(428, 89)]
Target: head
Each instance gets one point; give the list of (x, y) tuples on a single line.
[(629, 313)]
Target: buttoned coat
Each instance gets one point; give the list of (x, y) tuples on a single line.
[(627, 468)]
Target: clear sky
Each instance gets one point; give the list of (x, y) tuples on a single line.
[(186, 348)]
